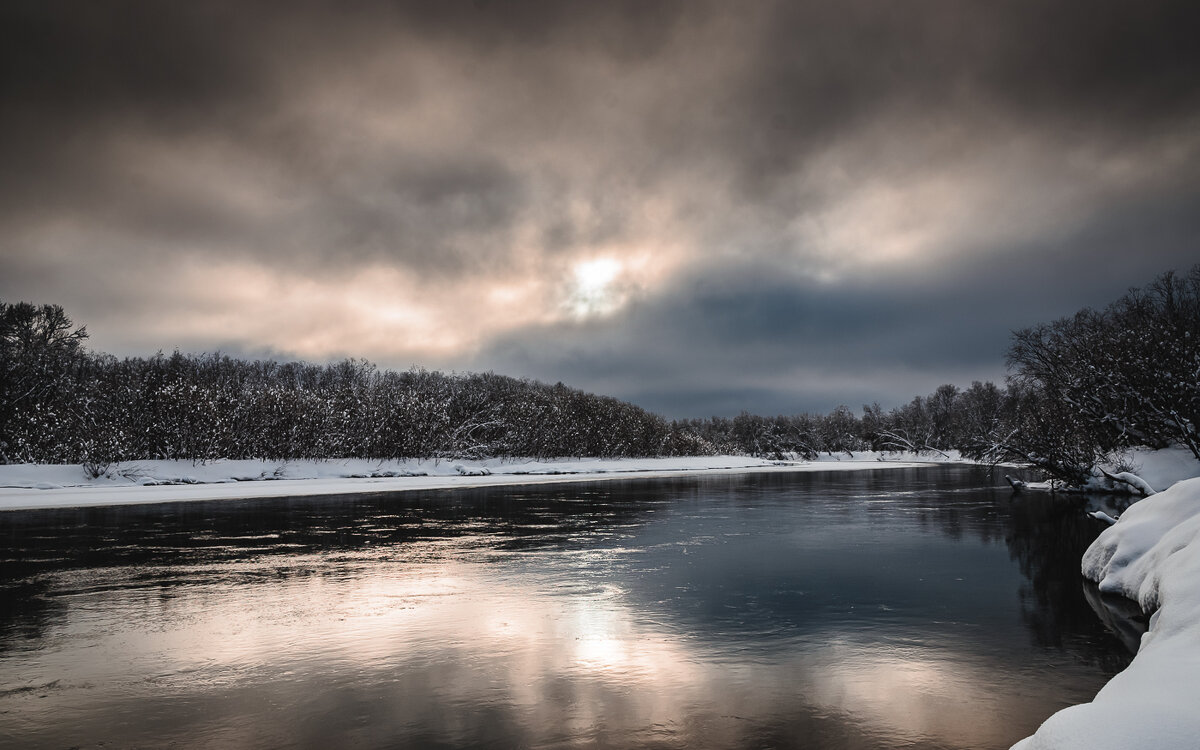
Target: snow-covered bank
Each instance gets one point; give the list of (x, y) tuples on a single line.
[(1152, 556), (1159, 468), (24, 486)]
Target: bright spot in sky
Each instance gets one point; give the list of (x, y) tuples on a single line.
[(593, 290)]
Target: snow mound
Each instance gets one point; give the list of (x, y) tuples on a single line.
[(1152, 556)]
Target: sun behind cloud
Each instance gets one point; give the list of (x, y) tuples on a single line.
[(595, 287)]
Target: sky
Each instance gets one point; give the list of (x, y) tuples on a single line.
[(702, 207)]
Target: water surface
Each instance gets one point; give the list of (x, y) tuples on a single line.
[(915, 608)]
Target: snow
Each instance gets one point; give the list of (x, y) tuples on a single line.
[(26, 486), (1164, 468), (1152, 556), (1152, 469), (1100, 515), (1133, 480)]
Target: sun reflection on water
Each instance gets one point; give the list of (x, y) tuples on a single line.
[(688, 631)]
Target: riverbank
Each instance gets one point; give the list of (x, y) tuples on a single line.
[(1151, 556), (1159, 468), (28, 486)]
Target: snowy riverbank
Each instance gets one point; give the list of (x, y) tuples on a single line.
[(25, 486), (1159, 468), (1152, 556)]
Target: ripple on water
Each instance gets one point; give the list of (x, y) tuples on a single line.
[(901, 609)]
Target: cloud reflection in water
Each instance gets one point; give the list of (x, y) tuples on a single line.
[(690, 614)]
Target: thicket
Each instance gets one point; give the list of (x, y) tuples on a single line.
[(1095, 384), (1080, 390), (63, 404)]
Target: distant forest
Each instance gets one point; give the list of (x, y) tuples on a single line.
[(1080, 389)]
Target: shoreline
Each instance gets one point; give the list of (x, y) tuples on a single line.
[(1151, 557), (33, 487)]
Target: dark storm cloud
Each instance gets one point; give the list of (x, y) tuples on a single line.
[(763, 341), (757, 338), (90, 88), (864, 197), (81, 75), (1114, 70)]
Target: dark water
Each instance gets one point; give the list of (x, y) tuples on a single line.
[(902, 608)]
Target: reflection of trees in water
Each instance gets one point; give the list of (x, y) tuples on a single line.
[(177, 544), (189, 533), (1047, 537), (26, 612)]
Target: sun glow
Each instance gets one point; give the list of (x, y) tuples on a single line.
[(595, 288)]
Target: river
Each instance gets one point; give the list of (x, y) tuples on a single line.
[(915, 608)]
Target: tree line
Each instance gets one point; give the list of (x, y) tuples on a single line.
[(1080, 390), (1087, 387), (60, 403)]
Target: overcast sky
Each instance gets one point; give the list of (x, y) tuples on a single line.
[(701, 207)]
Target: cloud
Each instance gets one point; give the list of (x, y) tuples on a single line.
[(762, 336), (857, 198)]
